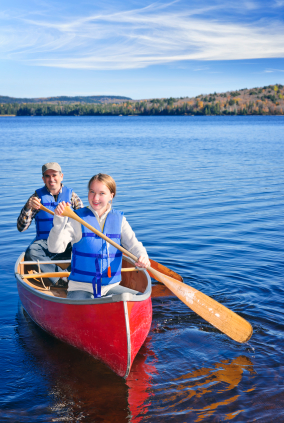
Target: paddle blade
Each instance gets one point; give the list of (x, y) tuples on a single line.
[(164, 270), (160, 290), (210, 310)]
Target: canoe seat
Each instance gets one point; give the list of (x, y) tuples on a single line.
[(118, 290)]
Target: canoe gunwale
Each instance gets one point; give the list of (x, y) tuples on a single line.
[(125, 297)]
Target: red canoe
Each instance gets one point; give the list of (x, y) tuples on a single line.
[(111, 329)]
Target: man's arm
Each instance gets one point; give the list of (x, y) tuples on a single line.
[(27, 214), (76, 202)]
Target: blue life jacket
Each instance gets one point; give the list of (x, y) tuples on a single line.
[(93, 259), (44, 221)]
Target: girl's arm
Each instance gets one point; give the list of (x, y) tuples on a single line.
[(64, 231), (131, 244)]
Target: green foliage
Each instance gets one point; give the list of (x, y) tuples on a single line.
[(212, 104)]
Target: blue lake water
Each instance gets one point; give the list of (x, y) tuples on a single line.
[(205, 196)]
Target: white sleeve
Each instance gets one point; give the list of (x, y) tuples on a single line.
[(129, 240), (64, 230)]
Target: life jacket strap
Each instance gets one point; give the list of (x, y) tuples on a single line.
[(97, 274), (87, 234), (52, 204), (97, 281), (98, 255)]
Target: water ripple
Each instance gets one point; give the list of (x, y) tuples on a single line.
[(205, 195)]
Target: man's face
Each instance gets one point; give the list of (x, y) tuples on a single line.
[(52, 180)]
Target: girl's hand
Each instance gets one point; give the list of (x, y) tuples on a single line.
[(143, 261), (60, 208)]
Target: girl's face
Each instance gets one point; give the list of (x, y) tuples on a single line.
[(99, 196)]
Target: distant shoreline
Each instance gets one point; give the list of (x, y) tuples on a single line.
[(263, 101), (142, 116)]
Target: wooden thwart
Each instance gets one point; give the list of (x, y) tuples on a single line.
[(64, 274), (215, 313), (48, 262)]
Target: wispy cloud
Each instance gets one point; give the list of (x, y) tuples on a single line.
[(279, 3), (273, 70), (130, 39), (203, 68)]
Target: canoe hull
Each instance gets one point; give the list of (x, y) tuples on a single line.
[(111, 330)]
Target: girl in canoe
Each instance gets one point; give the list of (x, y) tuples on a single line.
[(95, 264)]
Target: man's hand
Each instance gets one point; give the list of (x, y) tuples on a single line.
[(33, 203), (60, 208), (143, 261)]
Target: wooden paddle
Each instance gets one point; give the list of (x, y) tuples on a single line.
[(210, 310)]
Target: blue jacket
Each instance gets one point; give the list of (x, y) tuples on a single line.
[(93, 259), (44, 221)]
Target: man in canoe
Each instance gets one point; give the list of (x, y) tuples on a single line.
[(96, 264), (50, 195)]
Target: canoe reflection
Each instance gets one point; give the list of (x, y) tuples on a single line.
[(139, 382), (80, 388)]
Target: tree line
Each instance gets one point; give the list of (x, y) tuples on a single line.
[(138, 110), (260, 101)]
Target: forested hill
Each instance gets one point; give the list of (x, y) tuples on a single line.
[(268, 100), (95, 99)]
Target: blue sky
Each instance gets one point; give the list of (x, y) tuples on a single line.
[(139, 49)]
